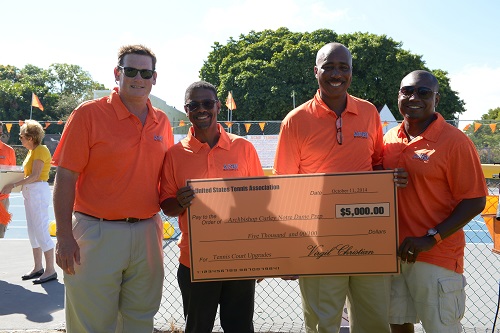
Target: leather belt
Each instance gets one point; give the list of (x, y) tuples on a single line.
[(126, 219)]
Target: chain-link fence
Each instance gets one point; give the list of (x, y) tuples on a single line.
[(278, 302)]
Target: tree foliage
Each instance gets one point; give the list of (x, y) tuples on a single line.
[(263, 69), (60, 89), (487, 137)]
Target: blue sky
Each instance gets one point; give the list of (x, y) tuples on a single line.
[(460, 37)]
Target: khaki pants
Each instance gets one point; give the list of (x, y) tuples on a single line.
[(323, 300), (118, 286)]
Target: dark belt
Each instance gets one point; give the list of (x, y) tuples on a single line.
[(126, 219)]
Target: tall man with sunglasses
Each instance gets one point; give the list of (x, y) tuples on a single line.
[(336, 132), (106, 203), (446, 189), (205, 153)]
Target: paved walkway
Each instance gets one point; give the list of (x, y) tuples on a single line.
[(24, 305)]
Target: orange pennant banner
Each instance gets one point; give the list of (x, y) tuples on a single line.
[(466, 127), (229, 124), (47, 125), (9, 127), (36, 102), (385, 123), (493, 127), (181, 123), (476, 126), (230, 103), (247, 126), (262, 125)]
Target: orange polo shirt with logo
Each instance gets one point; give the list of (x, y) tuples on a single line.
[(307, 142), (7, 157), (119, 159), (443, 169), (232, 157)]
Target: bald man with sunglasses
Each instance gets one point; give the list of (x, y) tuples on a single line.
[(446, 189), (106, 203)]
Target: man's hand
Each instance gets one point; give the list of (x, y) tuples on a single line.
[(412, 246), (67, 254), (400, 177)]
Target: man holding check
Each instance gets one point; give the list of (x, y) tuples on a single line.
[(336, 132), (206, 152)]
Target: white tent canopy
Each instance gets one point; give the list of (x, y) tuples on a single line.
[(386, 116)]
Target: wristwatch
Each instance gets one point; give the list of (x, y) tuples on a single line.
[(434, 233)]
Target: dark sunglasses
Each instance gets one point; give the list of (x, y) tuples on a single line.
[(132, 72), (207, 104), (422, 92)]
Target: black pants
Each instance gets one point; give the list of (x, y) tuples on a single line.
[(200, 301)]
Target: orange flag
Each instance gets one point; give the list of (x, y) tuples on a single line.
[(493, 127), (476, 126), (466, 127), (247, 126), (9, 127), (36, 102), (262, 125), (230, 103), (229, 124)]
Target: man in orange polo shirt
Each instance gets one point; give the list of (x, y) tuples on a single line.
[(205, 153), (7, 157), (446, 189), (336, 132), (106, 200)]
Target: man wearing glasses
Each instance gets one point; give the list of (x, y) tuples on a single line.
[(7, 157), (336, 132), (446, 189), (106, 200), (205, 153)]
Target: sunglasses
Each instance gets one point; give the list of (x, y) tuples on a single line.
[(422, 92), (207, 104), (338, 124), (132, 72)]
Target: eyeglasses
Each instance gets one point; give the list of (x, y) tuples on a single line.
[(132, 72), (338, 124), (207, 104), (422, 92)]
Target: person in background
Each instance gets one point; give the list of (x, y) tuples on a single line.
[(446, 189), (203, 154), (107, 200), (36, 193), (7, 157), (336, 132)]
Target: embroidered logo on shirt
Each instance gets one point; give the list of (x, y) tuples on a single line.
[(158, 138), (363, 135), (423, 154), (231, 167)]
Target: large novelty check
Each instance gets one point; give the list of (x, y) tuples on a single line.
[(321, 224)]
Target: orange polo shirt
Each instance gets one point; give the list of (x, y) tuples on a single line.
[(307, 142), (7, 157), (232, 157), (119, 159), (443, 169)]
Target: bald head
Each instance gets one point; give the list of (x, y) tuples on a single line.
[(421, 76), (330, 48)]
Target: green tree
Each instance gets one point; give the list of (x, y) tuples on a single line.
[(486, 136), (262, 69), (60, 89)]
